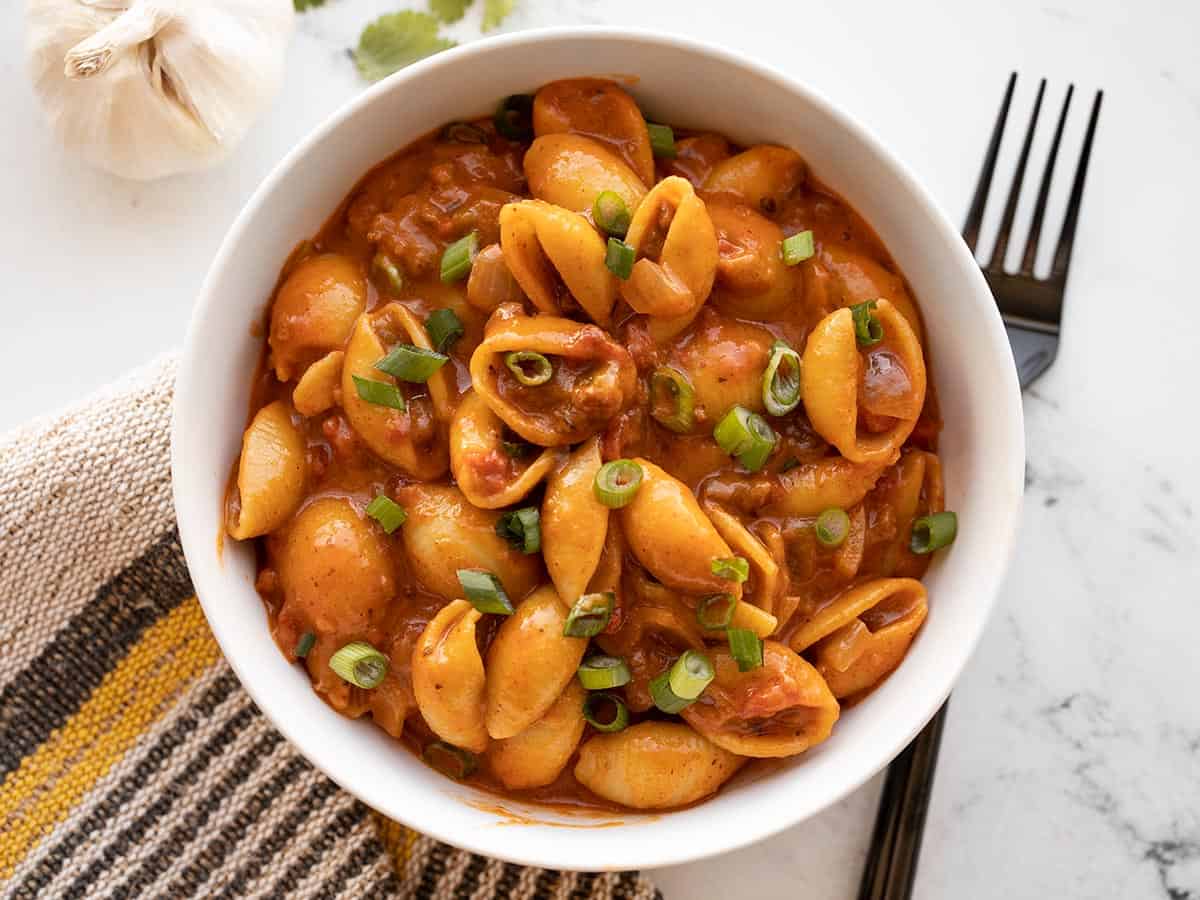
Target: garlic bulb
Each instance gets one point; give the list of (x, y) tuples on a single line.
[(147, 88)]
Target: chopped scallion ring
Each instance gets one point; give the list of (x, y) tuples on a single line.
[(590, 615), (382, 263), (662, 139), (781, 380), (616, 482), (360, 664), (672, 399), (733, 568), (746, 647), (305, 644), (521, 528), (514, 117), (716, 611), (747, 436), (606, 713), (832, 527), (690, 675), (450, 760), (599, 673), (412, 364), (444, 328), (932, 532), (380, 393), (664, 698), (619, 258), (458, 258), (797, 248), (387, 512), (868, 330), (485, 592), (610, 214), (529, 367)]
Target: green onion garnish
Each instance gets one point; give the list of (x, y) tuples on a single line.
[(443, 328), (781, 380), (797, 248), (590, 615), (360, 664), (379, 392), (382, 263), (458, 258), (305, 644), (464, 133), (932, 532), (529, 367), (485, 592), (610, 214), (716, 611), (664, 698), (514, 117), (672, 399), (746, 648), (867, 329), (734, 568), (596, 705), (662, 139), (831, 527), (616, 482), (599, 673), (521, 528), (387, 512), (745, 435), (619, 258), (678, 687), (450, 760), (412, 364)]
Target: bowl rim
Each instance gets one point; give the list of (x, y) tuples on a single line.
[(640, 854)]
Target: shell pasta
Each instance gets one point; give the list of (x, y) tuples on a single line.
[(593, 459)]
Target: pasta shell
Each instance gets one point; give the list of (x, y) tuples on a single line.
[(271, 473), (752, 278), (548, 248), (570, 171), (781, 708), (858, 656), (654, 765), (812, 487), (448, 679), (488, 476), (853, 602), (538, 755), (529, 664), (594, 377), (574, 523), (315, 391), (601, 110), (314, 311), (761, 177)]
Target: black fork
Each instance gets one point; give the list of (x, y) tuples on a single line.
[(1031, 308)]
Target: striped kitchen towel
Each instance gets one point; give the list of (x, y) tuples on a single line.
[(133, 764)]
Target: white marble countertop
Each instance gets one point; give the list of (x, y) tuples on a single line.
[(1069, 767)]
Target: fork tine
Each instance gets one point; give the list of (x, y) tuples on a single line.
[(1014, 192), (1062, 254), (970, 230), (1029, 259)]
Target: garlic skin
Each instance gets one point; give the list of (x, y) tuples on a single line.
[(148, 88)]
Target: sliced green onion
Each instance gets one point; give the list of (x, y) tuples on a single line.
[(360, 664), (516, 449), (616, 482), (781, 380), (797, 248), (529, 367), (747, 436), (464, 133), (443, 328), (594, 708), (599, 673), (514, 117), (932, 532), (690, 675), (619, 258), (746, 648), (382, 263), (662, 139), (452, 761), (733, 568), (832, 527), (590, 615), (412, 364), (379, 393), (387, 512), (521, 528), (664, 698), (305, 644), (672, 399), (610, 214), (485, 592), (867, 329), (716, 611), (458, 258)]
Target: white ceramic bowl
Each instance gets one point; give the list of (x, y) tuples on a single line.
[(680, 82)]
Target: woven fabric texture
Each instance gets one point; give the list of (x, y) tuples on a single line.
[(132, 764)]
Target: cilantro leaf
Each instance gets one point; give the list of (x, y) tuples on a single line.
[(395, 40), (449, 10), (302, 5), (495, 12)]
